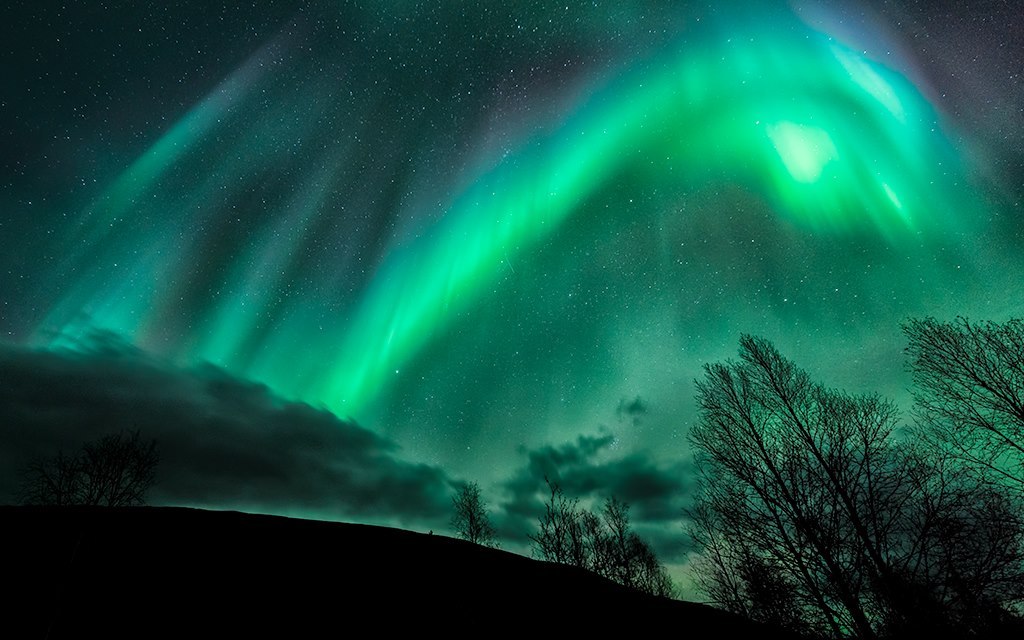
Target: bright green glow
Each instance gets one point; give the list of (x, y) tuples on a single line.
[(832, 141), (892, 196), (804, 150), (863, 74)]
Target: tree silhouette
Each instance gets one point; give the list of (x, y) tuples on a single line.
[(55, 481), (602, 542), (562, 537), (969, 393), (470, 519), (812, 514), (114, 471)]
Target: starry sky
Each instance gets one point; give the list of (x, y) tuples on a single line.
[(339, 256)]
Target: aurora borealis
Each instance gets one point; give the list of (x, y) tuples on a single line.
[(494, 236)]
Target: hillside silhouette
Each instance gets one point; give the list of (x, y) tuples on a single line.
[(146, 572)]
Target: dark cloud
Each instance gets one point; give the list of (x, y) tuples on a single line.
[(590, 470), (631, 410), (223, 442)]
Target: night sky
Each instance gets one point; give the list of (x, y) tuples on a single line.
[(339, 256)]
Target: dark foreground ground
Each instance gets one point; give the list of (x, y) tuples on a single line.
[(160, 572)]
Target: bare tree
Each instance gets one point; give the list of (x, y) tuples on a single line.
[(786, 464), (602, 542), (969, 410), (969, 393), (114, 471), (814, 515), (117, 470), (470, 519), (562, 530), (965, 559), (55, 481), (738, 578)]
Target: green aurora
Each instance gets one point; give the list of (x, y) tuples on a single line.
[(831, 140), (478, 230)]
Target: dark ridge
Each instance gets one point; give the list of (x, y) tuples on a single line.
[(157, 572)]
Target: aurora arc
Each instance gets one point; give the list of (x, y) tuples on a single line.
[(812, 160), (835, 141)]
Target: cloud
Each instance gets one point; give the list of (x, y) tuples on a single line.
[(224, 442), (631, 410), (590, 469)]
